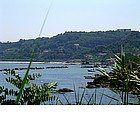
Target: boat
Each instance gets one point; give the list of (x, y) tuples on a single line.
[(91, 70)]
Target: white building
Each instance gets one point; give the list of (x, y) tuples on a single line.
[(124, 30)]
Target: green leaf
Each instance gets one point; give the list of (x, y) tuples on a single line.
[(24, 79)]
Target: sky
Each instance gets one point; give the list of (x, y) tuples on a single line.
[(23, 19)]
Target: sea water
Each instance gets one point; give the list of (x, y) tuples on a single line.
[(71, 77)]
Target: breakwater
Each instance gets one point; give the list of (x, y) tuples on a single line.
[(37, 68)]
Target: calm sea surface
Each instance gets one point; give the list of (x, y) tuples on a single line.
[(65, 77)]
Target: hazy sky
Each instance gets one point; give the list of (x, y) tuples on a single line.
[(22, 19)]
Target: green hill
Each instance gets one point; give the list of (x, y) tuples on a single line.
[(93, 46)]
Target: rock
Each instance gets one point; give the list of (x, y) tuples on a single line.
[(65, 90), (90, 86), (89, 77), (100, 81)]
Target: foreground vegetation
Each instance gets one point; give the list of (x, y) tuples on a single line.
[(32, 94), (124, 78)]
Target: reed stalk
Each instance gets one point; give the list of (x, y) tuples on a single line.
[(29, 66)]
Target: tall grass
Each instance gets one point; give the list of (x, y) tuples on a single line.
[(124, 79), (80, 98), (24, 79), (29, 66)]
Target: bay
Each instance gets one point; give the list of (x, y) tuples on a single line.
[(70, 77)]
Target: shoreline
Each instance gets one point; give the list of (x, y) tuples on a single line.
[(17, 62), (26, 62)]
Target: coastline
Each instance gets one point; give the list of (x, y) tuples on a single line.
[(17, 62), (26, 62)]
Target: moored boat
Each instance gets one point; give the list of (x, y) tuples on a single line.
[(91, 70)]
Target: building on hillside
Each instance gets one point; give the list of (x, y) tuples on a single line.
[(76, 45), (108, 61), (124, 30), (100, 55), (46, 51), (88, 56)]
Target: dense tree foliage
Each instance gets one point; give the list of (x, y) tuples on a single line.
[(73, 45), (32, 93)]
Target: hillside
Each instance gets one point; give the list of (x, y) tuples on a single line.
[(93, 46)]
